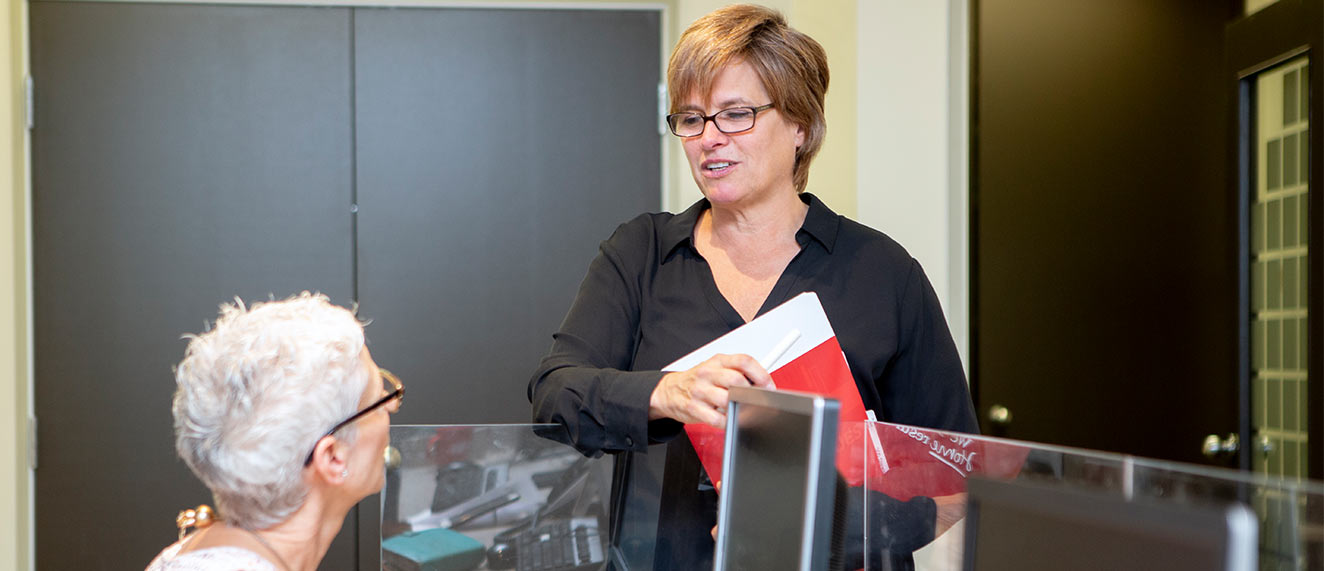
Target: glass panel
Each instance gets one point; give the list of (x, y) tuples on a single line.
[(1273, 164), (1274, 287), (1278, 273), (1273, 225), (1289, 345), (1290, 171), (1257, 217), (1289, 220), (1289, 396), (1289, 97), (1289, 289), (910, 462)]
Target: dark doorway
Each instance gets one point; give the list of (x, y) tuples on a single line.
[(1105, 241)]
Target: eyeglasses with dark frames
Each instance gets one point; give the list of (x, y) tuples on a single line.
[(729, 121), (395, 390)]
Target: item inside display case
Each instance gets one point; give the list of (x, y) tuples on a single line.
[(493, 497)]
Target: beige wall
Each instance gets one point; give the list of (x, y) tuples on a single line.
[(13, 300), (1253, 6), (912, 139), (832, 23), (868, 169)]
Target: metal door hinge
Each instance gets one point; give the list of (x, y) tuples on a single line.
[(32, 443), (29, 88)]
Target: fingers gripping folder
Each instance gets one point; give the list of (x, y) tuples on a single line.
[(802, 354)]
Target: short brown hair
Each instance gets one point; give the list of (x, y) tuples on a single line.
[(792, 66)]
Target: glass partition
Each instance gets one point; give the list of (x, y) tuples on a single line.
[(509, 497), (908, 461)]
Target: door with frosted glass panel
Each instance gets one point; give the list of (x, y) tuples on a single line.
[(1278, 257), (1279, 262), (1270, 53)]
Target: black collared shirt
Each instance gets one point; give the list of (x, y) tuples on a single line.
[(650, 298)]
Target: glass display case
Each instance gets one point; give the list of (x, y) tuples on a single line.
[(510, 497)]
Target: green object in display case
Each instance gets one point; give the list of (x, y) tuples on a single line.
[(431, 550)]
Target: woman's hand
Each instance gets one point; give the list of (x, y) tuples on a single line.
[(951, 509), (699, 395)]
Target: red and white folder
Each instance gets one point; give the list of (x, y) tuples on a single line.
[(813, 363), (901, 461)]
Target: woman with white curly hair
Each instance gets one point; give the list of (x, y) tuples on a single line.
[(282, 413)]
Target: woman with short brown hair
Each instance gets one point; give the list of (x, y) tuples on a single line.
[(747, 95)]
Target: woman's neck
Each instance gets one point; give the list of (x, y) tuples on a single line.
[(303, 538), (296, 544), (749, 249), (753, 225)]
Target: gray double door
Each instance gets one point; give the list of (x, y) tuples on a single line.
[(450, 170)]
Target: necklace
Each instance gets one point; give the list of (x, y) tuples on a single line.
[(279, 559)]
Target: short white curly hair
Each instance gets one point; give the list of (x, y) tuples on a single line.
[(257, 391)]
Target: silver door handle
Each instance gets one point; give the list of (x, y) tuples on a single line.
[(1215, 446), (999, 415)]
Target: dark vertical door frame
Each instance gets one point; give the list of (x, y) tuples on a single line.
[(972, 206), (1279, 32)]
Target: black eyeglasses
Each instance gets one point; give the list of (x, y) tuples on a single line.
[(729, 121), (394, 390)]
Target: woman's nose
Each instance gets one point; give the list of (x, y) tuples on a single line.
[(712, 137)]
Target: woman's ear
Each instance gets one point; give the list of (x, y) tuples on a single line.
[(799, 136), (330, 460)]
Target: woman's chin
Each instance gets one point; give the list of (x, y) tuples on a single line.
[(723, 194), (368, 488)]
